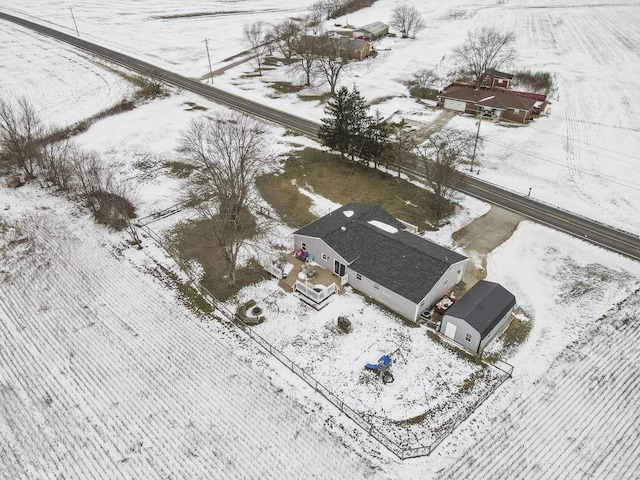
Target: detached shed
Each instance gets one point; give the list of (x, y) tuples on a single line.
[(479, 316)]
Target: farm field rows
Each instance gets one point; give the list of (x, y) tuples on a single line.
[(104, 374), (62, 83), (579, 420)]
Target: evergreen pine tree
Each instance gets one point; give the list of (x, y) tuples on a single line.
[(349, 129)]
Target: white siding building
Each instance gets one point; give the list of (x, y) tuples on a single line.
[(479, 316), (401, 270)]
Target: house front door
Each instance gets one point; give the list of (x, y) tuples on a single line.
[(338, 268)]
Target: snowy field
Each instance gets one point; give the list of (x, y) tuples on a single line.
[(104, 374), (62, 83)]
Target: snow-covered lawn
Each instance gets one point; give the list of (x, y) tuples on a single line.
[(433, 385)]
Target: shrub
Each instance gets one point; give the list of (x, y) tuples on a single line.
[(539, 82)]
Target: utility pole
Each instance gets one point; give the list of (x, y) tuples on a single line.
[(206, 42), (74, 21), (475, 145)]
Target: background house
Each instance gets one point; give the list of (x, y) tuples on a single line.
[(371, 248), (496, 103), (344, 47), (479, 316)]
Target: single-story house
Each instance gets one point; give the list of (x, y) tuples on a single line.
[(496, 103), (372, 31), (353, 49), (479, 315), (373, 252)]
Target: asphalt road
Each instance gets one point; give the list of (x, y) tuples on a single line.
[(599, 234)]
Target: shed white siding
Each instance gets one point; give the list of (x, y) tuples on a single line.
[(502, 324), (479, 316), (463, 333)]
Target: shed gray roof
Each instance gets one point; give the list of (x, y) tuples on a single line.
[(404, 263), (483, 306)]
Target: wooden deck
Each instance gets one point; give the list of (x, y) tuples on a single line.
[(323, 277)]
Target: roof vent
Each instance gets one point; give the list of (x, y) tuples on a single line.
[(343, 228)]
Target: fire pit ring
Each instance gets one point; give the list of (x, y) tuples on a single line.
[(256, 311)]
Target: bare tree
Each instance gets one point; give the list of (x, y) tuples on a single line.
[(407, 20), (106, 196), (228, 151), (21, 135), (88, 173), (485, 49), (285, 36), (57, 163), (255, 35), (312, 23), (332, 61), (425, 79), (400, 149), (307, 55), (443, 153)]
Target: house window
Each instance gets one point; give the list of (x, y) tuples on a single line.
[(467, 337), (376, 286), (325, 257), (304, 246), (358, 276)]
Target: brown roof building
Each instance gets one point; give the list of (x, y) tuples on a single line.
[(496, 103)]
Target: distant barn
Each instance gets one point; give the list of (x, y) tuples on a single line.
[(371, 31)]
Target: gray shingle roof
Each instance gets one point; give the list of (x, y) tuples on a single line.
[(483, 306), (404, 263)]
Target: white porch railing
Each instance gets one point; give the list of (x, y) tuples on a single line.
[(273, 270), (317, 293)]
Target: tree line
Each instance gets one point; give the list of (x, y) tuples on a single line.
[(33, 150)]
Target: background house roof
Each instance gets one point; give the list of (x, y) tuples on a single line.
[(375, 245), (483, 306), (501, 99), (375, 28)]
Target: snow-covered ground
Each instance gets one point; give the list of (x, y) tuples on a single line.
[(105, 375), (583, 157)]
